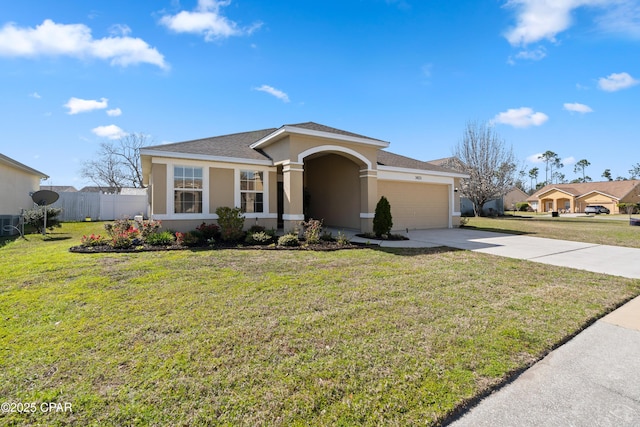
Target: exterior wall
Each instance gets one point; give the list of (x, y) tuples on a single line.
[(333, 183), (15, 186), (191, 224), (416, 205), (159, 189), (220, 190)]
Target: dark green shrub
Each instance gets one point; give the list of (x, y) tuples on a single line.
[(259, 238), (288, 240), (35, 218), (382, 221), (209, 231), (326, 236), (163, 238), (231, 223), (192, 238)]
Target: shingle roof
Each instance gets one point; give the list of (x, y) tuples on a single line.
[(618, 189), (237, 145)]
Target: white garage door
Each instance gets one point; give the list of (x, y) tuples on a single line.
[(415, 205)]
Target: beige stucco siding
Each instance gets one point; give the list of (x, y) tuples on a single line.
[(221, 188), (159, 189), (15, 186), (273, 192), (415, 205), (333, 185)]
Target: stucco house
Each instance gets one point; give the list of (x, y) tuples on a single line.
[(17, 182), (575, 197), (280, 175)]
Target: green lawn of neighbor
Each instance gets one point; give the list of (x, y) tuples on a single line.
[(249, 337)]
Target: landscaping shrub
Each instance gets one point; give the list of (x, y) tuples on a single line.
[(342, 239), (256, 229), (163, 238), (326, 236), (259, 238), (35, 218), (312, 230), (209, 231), (148, 227), (522, 206), (288, 240), (123, 234), (231, 223), (629, 208), (192, 238), (93, 240), (382, 220)]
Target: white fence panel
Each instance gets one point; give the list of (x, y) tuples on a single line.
[(78, 206), (100, 207), (118, 206)]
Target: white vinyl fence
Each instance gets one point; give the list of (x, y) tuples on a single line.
[(100, 207)]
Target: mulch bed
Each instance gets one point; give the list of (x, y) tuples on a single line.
[(323, 246)]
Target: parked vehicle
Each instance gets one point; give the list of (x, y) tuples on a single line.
[(596, 209)]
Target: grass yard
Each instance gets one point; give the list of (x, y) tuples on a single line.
[(238, 337), (616, 232)]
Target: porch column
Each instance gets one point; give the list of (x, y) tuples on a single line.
[(292, 185), (368, 198)]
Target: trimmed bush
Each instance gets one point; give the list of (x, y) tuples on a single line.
[(231, 223), (382, 221), (209, 231), (35, 218), (288, 240)]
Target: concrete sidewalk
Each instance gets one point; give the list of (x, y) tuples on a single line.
[(592, 380)]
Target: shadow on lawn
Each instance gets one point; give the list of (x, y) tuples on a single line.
[(416, 251)]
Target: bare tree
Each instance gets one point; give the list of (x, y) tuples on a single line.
[(490, 165), (117, 164)]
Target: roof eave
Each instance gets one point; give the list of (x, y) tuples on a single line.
[(205, 157), (423, 171), (293, 130), (16, 164)]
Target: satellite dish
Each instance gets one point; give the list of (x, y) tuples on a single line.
[(44, 197)]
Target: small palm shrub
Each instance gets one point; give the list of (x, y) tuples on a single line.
[(259, 238)]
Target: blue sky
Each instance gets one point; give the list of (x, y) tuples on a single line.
[(559, 75)]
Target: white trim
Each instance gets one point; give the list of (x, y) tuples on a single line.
[(292, 217), (171, 208), (283, 131), (422, 172), (321, 148), (186, 217), (205, 157), (237, 197), (415, 176), (260, 215), (367, 215)]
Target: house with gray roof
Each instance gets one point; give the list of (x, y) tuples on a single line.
[(280, 176)]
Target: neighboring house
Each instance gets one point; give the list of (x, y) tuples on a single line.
[(17, 183), (59, 188), (97, 189), (278, 175), (575, 197), (513, 197)]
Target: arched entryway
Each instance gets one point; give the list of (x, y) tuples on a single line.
[(332, 190)]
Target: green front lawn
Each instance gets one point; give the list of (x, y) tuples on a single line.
[(238, 337)]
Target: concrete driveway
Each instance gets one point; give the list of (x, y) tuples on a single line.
[(613, 260)]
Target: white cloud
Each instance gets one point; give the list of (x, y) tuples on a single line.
[(577, 107), (623, 19), (521, 117), (206, 20), (275, 92), (616, 81), (544, 19), (114, 112), (77, 105), (75, 40), (533, 55), (110, 132), (35, 95), (535, 158), (567, 161), (426, 70)]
